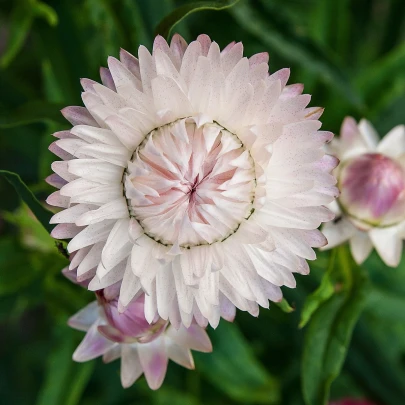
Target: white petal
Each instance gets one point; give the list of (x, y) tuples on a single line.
[(131, 368), (393, 144), (83, 319), (360, 246), (154, 360), (388, 244)]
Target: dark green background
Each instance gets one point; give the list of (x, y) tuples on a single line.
[(350, 54)]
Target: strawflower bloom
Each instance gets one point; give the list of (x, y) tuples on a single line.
[(195, 176), (144, 348), (371, 208)]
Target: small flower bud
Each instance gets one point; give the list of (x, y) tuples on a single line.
[(373, 189), (130, 325)]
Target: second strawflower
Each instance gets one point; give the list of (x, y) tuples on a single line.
[(194, 176)]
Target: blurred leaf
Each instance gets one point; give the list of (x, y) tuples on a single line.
[(369, 362), (15, 269), (166, 25), (376, 78), (33, 234), (65, 380), (169, 396), (386, 305), (42, 214), (33, 111), (52, 88), (59, 367), (79, 381), (329, 332), (285, 306), (43, 10), (233, 368), (22, 18), (274, 30), (321, 294)]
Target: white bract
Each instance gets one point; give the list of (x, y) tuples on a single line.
[(195, 176), (371, 208)]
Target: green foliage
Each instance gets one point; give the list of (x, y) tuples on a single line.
[(23, 15), (329, 331), (350, 55), (272, 28), (241, 376), (321, 294), (168, 23), (28, 197), (33, 111)]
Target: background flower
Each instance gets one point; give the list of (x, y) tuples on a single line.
[(142, 347), (371, 208)]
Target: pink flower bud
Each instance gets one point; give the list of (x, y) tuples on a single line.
[(372, 189), (130, 325)]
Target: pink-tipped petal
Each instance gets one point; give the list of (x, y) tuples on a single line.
[(153, 359)]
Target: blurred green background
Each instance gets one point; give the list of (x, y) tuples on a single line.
[(350, 54)]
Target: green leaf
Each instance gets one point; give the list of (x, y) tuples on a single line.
[(15, 269), (321, 294), (329, 332), (285, 306), (79, 381), (380, 75), (33, 234), (65, 380), (276, 31), (170, 396), (22, 18), (33, 111), (46, 12), (233, 368), (42, 214), (166, 26), (386, 305)]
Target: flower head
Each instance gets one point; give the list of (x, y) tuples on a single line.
[(195, 176), (371, 208), (143, 348)]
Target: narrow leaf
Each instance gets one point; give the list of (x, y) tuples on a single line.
[(329, 332), (22, 18), (321, 294), (33, 111), (42, 214), (285, 306), (166, 26)]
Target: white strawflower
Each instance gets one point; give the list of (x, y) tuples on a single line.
[(143, 348), (194, 176), (371, 208)]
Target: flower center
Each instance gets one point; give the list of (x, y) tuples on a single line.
[(373, 189), (188, 185)]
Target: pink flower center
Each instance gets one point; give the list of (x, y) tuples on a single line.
[(130, 325), (189, 185), (372, 188)]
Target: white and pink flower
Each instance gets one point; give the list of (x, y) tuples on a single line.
[(194, 176), (144, 348), (371, 208)]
